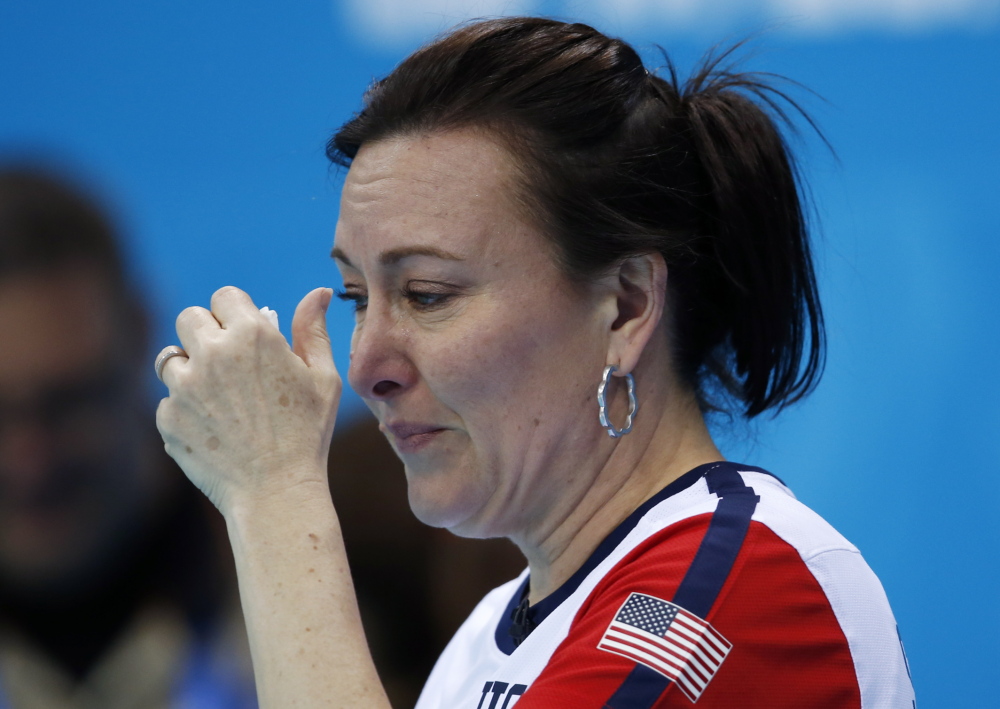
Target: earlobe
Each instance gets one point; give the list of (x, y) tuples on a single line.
[(640, 297)]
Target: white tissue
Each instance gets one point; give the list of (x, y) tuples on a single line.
[(272, 316)]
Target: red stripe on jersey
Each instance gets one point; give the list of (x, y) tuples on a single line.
[(788, 648)]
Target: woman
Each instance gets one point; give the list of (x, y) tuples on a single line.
[(530, 217)]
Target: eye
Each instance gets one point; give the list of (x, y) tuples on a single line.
[(427, 296), (425, 300), (356, 297)]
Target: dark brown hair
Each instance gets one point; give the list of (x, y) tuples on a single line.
[(619, 162), (45, 222)]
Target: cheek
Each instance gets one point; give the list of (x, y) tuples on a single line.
[(485, 367), (505, 373)]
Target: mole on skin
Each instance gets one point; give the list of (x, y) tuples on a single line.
[(213, 443)]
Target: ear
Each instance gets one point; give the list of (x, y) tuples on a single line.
[(639, 285)]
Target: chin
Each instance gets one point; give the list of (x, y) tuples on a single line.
[(446, 501)]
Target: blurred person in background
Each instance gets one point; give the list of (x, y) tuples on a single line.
[(114, 589)]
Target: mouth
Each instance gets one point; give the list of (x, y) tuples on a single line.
[(411, 437)]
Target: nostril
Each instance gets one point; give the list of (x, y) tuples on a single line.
[(384, 388)]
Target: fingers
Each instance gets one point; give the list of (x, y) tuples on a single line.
[(230, 305), (168, 362), (192, 324), (309, 336)]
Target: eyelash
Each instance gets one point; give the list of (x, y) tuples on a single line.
[(360, 300), (436, 299)]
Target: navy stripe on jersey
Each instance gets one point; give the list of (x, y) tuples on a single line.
[(717, 553), (704, 578)]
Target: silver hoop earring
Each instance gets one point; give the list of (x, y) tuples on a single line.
[(602, 404)]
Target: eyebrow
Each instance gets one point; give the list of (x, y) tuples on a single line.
[(394, 256)]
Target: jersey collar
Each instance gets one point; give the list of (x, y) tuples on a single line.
[(541, 610)]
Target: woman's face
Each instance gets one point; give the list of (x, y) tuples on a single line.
[(479, 358)]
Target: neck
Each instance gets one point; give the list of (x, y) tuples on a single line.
[(626, 473)]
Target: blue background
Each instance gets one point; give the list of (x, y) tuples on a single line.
[(203, 124)]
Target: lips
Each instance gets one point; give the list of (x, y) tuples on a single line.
[(411, 437)]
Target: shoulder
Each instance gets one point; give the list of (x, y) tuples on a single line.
[(731, 529), (784, 610)]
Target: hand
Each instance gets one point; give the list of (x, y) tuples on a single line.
[(247, 416)]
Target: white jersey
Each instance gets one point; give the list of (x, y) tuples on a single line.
[(722, 589)]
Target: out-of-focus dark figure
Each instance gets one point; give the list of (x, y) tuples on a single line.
[(115, 589), (415, 584)]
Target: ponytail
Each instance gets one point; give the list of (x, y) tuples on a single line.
[(759, 330)]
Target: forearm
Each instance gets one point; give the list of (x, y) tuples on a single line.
[(306, 638)]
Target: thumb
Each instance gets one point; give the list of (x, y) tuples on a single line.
[(310, 340)]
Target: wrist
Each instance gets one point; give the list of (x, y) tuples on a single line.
[(291, 496)]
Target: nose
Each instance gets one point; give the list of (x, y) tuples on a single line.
[(381, 367)]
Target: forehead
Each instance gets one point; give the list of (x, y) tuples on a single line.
[(453, 190)]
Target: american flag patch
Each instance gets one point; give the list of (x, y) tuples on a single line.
[(666, 638)]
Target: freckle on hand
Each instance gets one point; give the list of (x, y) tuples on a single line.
[(187, 449), (213, 443), (283, 400)]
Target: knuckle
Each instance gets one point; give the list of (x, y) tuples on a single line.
[(189, 313), (227, 292), (216, 347), (333, 385)]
